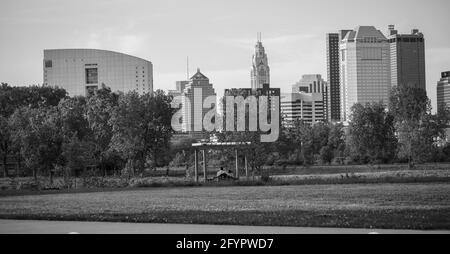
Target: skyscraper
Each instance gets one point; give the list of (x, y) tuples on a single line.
[(407, 58), (443, 91), (365, 68), (260, 72), (195, 92), (334, 98)]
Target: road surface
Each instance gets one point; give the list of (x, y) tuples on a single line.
[(66, 227)]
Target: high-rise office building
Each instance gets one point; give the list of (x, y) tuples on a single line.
[(314, 84), (365, 68), (307, 102), (443, 91), (195, 92), (307, 107), (81, 71), (333, 64), (260, 72), (407, 58)]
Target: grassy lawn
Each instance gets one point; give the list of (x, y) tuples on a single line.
[(406, 206), (351, 175)]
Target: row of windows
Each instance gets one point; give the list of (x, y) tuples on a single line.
[(406, 39)]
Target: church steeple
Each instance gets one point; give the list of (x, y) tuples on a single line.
[(260, 72)]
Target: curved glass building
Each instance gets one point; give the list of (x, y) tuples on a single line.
[(82, 71)]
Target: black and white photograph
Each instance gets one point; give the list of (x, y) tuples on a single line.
[(226, 124)]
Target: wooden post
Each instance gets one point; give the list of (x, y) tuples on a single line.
[(237, 163), (196, 165), (204, 165), (246, 167)]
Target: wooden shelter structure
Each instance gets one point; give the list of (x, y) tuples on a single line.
[(203, 147)]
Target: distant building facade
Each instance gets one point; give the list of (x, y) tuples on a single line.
[(307, 107), (333, 66), (307, 102), (407, 58), (319, 89), (443, 91), (179, 88), (178, 91), (260, 71), (82, 71), (365, 68)]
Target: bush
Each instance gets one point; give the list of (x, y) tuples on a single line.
[(265, 177)]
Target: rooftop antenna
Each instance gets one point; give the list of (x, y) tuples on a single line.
[(187, 68)]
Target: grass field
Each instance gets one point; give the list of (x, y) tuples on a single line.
[(430, 173), (402, 206)]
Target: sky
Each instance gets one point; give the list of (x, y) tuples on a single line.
[(217, 36)]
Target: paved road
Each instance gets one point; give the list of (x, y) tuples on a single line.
[(64, 227)]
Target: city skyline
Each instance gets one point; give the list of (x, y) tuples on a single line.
[(296, 45)]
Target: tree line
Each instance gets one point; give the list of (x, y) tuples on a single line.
[(51, 133), (48, 133), (402, 130)]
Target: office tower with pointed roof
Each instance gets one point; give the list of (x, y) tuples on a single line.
[(260, 72), (364, 68), (195, 91)]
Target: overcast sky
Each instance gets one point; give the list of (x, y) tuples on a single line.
[(218, 36)]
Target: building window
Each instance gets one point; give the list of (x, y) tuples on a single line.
[(92, 76), (48, 64)]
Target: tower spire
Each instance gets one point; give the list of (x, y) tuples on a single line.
[(260, 73)]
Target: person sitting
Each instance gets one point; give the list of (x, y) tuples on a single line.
[(220, 172)]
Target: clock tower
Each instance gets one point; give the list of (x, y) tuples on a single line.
[(260, 72)]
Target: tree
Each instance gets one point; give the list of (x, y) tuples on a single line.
[(326, 154), (39, 137), (372, 133), (301, 135), (336, 140), (5, 143), (73, 118), (12, 98), (417, 128), (78, 154), (284, 146), (99, 108), (408, 103), (320, 132), (141, 127)]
